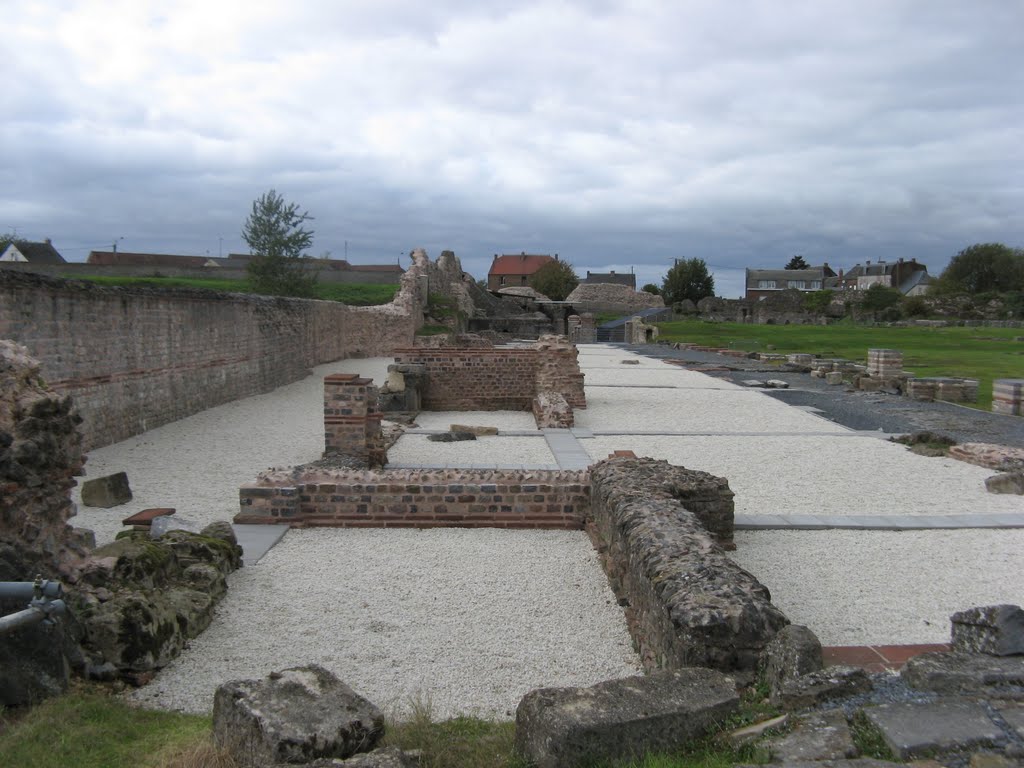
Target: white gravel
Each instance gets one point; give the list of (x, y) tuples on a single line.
[(490, 450), (884, 587), (469, 620), (842, 475)]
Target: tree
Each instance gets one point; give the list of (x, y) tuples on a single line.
[(879, 297), (652, 288), (277, 239), (688, 279), (797, 262), (556, 280), (982, 268)]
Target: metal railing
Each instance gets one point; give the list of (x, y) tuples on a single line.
[(44, 598)]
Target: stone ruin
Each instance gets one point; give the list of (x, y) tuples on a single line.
[(132, 604)]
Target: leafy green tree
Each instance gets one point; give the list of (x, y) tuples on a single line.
[(652, 288), (688, 279), (982, 268), (880, 297), (797, 262), (277, 239), (817, 301), (556, 280)]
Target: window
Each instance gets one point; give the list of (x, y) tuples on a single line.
[(501, 280), (765, 284), (798, 284), (522, 280), (816, 285)]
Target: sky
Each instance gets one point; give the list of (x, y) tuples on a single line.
[(619, 135)]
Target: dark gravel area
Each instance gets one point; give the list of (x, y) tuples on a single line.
[(857, 410)]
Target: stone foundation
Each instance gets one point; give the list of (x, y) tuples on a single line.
[(688, 604), (884, 363), (352, 420), (950, 390)]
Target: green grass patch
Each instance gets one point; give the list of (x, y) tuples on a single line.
[(976, 353), (433, 330), (353, 294), (869, 740), (91, 729)]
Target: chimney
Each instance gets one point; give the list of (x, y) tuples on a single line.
[(48, 241), (840, 273)]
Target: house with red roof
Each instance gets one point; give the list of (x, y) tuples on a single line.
[(512, 270)]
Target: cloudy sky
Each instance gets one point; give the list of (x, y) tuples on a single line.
[(618, 134)]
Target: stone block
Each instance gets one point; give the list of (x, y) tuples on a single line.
[(478, 431), (944, 727), (997, 630), (795, 651), (108, 491), (966, 674), (834, 377), (822, 736), (293, 716), (1006, 482), (816, 688), (622, 719), (385, 757)]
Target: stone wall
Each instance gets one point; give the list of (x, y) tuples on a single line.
[(414, 498), (134, 358), (688, 604), (40, 454), (497, 379)]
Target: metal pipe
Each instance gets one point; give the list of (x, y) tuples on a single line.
[(26, 590)]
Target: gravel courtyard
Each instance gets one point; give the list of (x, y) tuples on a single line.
[(471, 620)]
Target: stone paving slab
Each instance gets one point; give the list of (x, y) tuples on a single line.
[(1014, 717), (566, 449), (944, 726)]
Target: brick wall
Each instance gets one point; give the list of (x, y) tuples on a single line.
[(497, 379), (135, 358), (411, 498)]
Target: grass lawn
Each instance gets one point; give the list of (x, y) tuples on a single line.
[(353, 294), (89, 728), (976, 353)]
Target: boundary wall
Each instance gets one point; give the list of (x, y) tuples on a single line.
[(133, 358)]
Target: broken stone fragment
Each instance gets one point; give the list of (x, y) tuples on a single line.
[(816, 688), (793, 652), (996, 630), (108, 491), (478, 431), (293, 716), (451, 437), (1006, 482)]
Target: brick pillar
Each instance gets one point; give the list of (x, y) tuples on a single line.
[(1008, 397), (352, 419)]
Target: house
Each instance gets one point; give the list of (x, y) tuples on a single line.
[(761, 283), (610, 277), (152, 260), (33, 253), (515, 269), (909, 277)]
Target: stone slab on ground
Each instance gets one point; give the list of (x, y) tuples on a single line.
[(257, 540), (966, 673), (947, 726), (107, 491), (293, 716), (820, 686), (385, 757), (624, 718), (823, 736), (1014, 717)]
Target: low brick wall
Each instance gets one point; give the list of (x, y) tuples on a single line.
[(412, 498), (688, 604)]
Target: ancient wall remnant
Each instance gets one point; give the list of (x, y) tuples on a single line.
[(948, 389), (134, 358), (352, 420), (689, 604), (40, 454), (497, 378), (417, 498), (884, 363)]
